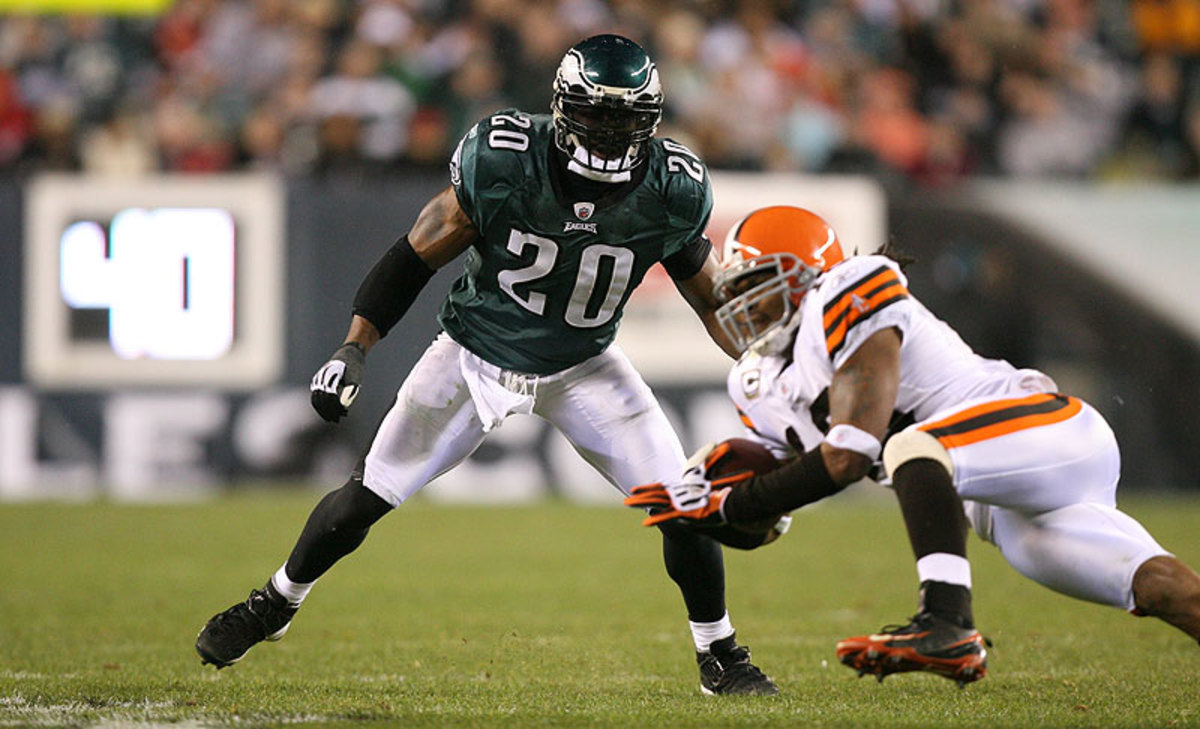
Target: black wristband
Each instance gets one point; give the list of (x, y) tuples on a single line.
[(788, 487), (391, 286)]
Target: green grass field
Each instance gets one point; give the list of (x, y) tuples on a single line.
[(551, 615)]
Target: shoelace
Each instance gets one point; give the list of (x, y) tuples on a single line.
[(750, 668), (746, 672), (730, 657), (738, 655), (235, 613)]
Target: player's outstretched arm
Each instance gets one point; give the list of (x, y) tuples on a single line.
[(441, 233), (698, 292), (861, 398)]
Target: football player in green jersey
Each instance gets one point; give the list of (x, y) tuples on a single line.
[(559, 217)]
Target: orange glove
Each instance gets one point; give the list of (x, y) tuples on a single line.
[(694, 498)]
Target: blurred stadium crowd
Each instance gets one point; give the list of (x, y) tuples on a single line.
[(926, 91)]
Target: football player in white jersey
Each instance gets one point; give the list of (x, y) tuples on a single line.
[(843, 369)]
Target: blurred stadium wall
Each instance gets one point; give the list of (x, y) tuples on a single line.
[(1093, 284)]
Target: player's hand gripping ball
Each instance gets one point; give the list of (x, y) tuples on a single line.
[(697, 498)]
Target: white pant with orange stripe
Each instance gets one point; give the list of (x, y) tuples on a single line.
[(1038, 476), (451, 399)]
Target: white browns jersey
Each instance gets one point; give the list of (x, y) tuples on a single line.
[(1037, 470), (847, 304)]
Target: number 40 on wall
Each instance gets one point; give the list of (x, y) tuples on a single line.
[(164, 276), (159, 281)]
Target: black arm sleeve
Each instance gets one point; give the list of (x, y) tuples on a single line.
[(687, 261), (788, 487), (391, 286)]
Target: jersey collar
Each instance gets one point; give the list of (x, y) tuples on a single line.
[(571, 187), (574, 166)]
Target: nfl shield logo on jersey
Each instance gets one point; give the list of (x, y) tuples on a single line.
[(584, 210)]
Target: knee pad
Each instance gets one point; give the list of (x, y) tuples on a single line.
[(910, 445)]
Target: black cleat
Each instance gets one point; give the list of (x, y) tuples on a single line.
[(725, 669), (928, 643), (228, 636)]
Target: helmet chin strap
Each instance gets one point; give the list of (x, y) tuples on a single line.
[(578, 165)]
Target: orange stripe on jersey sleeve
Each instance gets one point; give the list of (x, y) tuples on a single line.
[(746, 421), (1001, 417), (876, 291), (837, 307)]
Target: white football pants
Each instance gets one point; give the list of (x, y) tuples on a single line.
[(1038, 476), (451, 399)]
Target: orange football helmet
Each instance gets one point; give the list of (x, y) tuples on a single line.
[(771, 258)]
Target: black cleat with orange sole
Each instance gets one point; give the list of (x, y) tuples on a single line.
[(928, 643)]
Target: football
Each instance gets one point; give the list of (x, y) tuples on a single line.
[(746, 455)]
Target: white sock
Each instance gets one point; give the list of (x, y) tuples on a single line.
[(945, 567), (703, 634), (295, 592)]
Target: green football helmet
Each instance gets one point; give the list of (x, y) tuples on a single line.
[(607, 104)]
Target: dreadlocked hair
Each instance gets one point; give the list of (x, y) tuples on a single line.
[(900, 257)]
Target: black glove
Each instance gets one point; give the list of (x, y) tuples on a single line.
[(336, 384)]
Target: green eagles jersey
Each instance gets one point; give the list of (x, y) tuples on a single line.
[(544, 287)]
